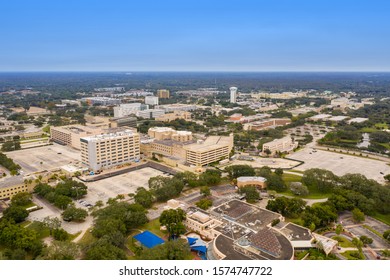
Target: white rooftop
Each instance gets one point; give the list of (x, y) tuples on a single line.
[(251, 178)]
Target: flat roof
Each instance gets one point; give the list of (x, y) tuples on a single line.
[(127, 132), (251, 178), (295, 232), (338, 118)]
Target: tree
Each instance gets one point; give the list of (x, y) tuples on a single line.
[(339, 229), (14, 236), (173, 219), (251, 193), (288, 207), (60, 234), (118, 217), (236, 171), (323, 180), (15, 213), (387, 177), (204, 203), (74, 214), (62, 250), (275, 182), (210, 177), (205, 191), (358, 243), (267, 152), (366, 240), (21, 199), (386, 235), (171, 250), (62, 201), (144, 197), (279, 171), (104, 250), (298, 188), (358, 215), (52, 223)]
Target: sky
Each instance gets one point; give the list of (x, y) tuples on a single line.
[(195, 35)]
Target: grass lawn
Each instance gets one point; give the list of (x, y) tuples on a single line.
[(313, 192), (41, 230), (385, 218), (373, 231), (381, 125), (288, 178), (300, 255), (343, 242), (353, 255), (368, 129), (87, 238)]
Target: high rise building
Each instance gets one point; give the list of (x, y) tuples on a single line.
[(163, 93), (233, 95), (108, 150)]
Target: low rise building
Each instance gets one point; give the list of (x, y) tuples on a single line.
[(70, 135), (202, 223), (125, 121), (177, 107), (151, 100), (109, 150), (180, 145), (105, 101), (150, 113), (268, 123), (173, 116), (283, 145), (257, 181), (127, 109)]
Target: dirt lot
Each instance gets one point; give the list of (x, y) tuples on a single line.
[(341, 164), (44, 158)]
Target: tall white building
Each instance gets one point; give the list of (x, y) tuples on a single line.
[(108, 150), (151, 100), (124, 110), (233, 95)]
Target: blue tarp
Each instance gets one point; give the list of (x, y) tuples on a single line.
[(148, 239)]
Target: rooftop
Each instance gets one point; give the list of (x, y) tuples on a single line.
[(234, 209), (295, 232), (127, 132), (266, 241), (251, 178)]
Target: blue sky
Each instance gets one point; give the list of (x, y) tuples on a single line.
[(201, 35)]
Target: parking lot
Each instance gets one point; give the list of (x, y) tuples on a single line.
[(271, 162), (120, 184), (341, 164), (44, 158)]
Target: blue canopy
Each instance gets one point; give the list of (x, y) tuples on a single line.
[(148, 239), (191, 240)]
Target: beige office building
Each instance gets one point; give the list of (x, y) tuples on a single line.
[(285, 144), (167, 133), (163, 93), (180, 145), (174, 116), (70, 135), (112, 149), (214, 148)]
